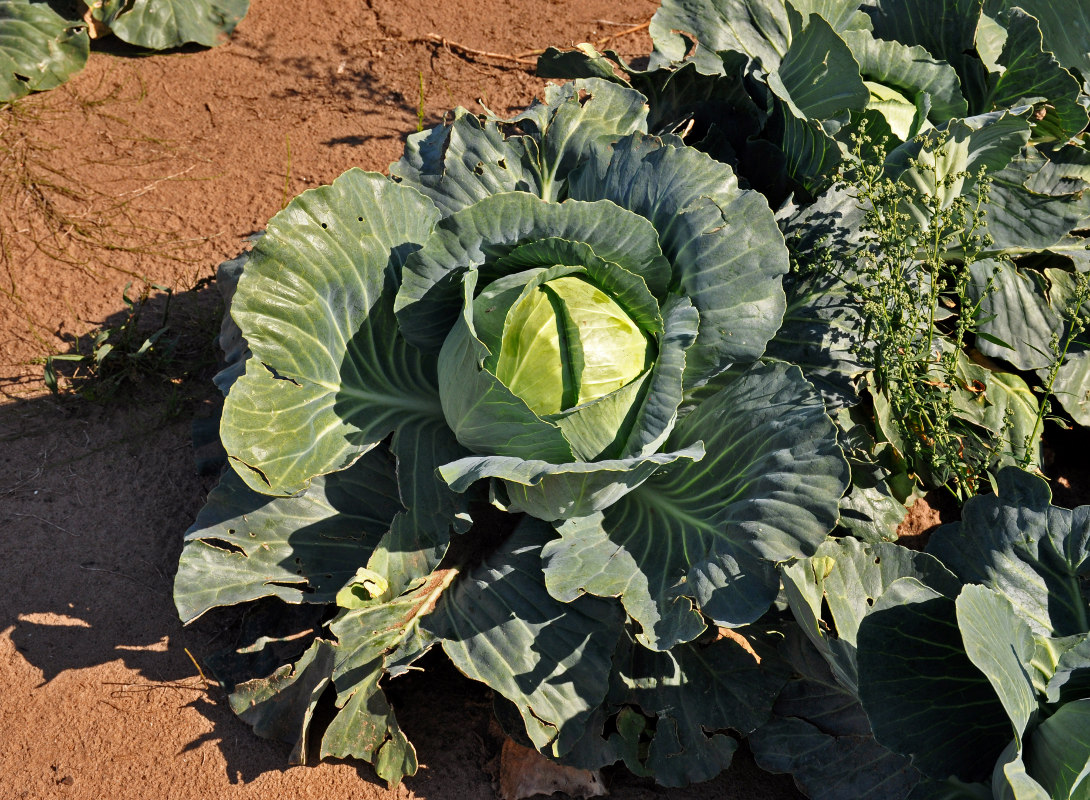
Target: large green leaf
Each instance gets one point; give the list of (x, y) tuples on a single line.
[(1034, 553), (1032, 74), (819, 76), (833, 591), (733, 277), (1002, 403), (1072, 386), (696, 692), (927, 700), (945, 164), (163, 24), (1015, 310), (463, 161), (329, 376), (706, 535), (500, 626), (368, 638), (458, 164), (577, 118), (823, 324), (819, 734), (1065, 25), (418, 536), (911, 70), (677, 97), (1059, 752), (281, 706), (817, 79), (562, 491), (944, 28), (246, 545), (1001, 646), (1071, 678), (1033, 205), (39, 49), (761, 29)]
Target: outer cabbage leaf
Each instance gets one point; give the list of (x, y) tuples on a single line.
[(1003, 404), (377, 639), (1001, 646), (163, 24), (1016, 311), (1065, 25), (329, 377), (959, 726), (418, 536), (246, 545), (988, 141), (817, 80), (715, 112), (706, 535), (1072, 386), (944, 28), (1034, 205), (368, 640), (39, 49), (911, 70), (819, 734), (1053, 763), (281, 706), (762, 29), (1034, 553), (1059, 751), (819, 77), (846, 577), (459, 164), (500, 626), (822, 329), (1030, 74), (696, 692)]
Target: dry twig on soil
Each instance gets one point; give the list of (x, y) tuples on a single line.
[(529, 58)]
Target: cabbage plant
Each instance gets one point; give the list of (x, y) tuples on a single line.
[(509, 401), (994, 682), (40, 48)]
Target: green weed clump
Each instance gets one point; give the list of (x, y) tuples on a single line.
[(919, 317), (118, 354)]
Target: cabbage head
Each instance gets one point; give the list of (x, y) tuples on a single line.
[(558, 316)]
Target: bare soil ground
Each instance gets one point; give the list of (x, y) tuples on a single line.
[(150, 170)]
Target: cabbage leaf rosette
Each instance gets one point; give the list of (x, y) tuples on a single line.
[(559, 317)]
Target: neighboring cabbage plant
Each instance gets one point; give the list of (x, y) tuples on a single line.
[(40, 49), (777, 87), (510, 401), (991, 698)]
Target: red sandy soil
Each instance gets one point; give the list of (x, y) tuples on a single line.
[(152, 170)]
